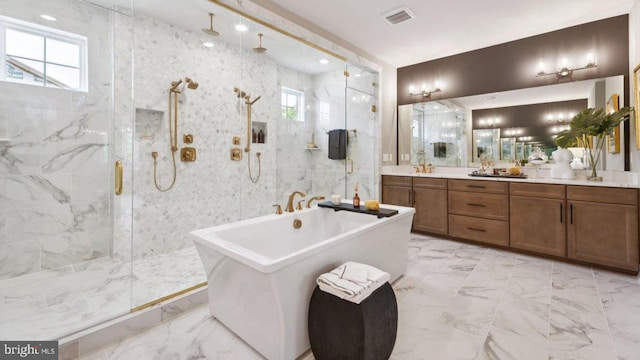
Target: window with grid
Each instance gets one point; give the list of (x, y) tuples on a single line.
[(292, 104), (37, 55)]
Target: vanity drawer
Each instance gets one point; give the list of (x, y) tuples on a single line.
[(396, 180), (537, 190), (490, 206), (603, 194), (495, 187), (488, 231), (429, 183)]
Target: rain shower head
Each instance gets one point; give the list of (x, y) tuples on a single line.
[(210, 30), (191, 84), (260, 49)]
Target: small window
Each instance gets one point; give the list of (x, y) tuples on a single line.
[(37, 55), (325, 112), (292, 104)]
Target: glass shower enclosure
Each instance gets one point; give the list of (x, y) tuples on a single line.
[(85, 235), (65, 119)]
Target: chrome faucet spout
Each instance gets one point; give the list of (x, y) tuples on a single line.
[(291, 197)]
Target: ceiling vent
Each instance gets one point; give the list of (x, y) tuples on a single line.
[(397, 16)]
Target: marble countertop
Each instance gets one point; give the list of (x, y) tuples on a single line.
[(620, 179)]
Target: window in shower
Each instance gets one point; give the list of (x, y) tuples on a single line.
[(38, 55), (292, 104)]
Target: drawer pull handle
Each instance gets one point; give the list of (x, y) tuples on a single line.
[(477, 186), (474, 229), (481, 205)]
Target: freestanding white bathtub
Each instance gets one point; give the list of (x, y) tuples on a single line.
[(261, 272)]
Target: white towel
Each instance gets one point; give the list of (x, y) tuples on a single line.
[(352, 281)]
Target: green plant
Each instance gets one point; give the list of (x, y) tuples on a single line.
[(588, 129)]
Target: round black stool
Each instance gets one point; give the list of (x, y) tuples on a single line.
[(340, 329)]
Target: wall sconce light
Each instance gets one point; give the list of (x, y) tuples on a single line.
[(490, 122), (425, 93), (564, 70), (512, 132)]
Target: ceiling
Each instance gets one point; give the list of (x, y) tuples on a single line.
[(442, 29), (438, 30), (193, 15)]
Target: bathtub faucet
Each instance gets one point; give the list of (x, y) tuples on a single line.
[(290, 202), (314, 198)]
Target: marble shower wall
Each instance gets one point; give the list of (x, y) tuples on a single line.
[(54, 174), (215, 190), (212, 190), (292, 138)]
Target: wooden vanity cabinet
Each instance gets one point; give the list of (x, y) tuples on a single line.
[(430, 202), (397, 190), (538, 218), (590, 224), (603, 226)]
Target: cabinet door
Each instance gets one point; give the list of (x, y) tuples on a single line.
[(538, 225), (431, 210), (396, 195), (605, 234)]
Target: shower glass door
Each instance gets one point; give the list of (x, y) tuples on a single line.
[(65, 118), (363, 130)]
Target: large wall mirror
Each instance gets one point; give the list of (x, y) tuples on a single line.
[(505, 126)]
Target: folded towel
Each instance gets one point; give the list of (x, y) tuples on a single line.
[(355, 273), (352, 281)]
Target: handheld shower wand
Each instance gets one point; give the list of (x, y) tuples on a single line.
[(173, 129), (247, 149)]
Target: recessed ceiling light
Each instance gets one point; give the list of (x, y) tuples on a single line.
[(48, 17), (358, 75), (324, 61), (208, 44), (242, 27)]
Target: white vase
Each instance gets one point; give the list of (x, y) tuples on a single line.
[(561, 169)]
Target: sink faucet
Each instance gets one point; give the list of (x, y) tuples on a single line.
[(421, 163), (290, 202), (314, 198)]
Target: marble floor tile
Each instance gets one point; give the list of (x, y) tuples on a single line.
[(194, 335), (519, 330), (59, 301), (455, 301)]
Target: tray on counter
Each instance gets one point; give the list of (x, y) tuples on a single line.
[(477, 174), (362, 209)]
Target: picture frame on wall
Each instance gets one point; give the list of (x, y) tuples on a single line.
[(613, 141), (636, 102)]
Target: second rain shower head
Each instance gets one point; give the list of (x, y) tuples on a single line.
[(260, 49), (210, 30)]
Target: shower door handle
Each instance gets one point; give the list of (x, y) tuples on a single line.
[(350, 160), (118, 172)]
